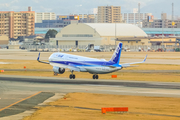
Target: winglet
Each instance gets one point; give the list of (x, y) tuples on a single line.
[(41, 61), (145, 58), (38, 57)]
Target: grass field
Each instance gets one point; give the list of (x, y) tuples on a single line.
[(140, 108)]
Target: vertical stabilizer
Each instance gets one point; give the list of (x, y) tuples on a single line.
[(117, 54)]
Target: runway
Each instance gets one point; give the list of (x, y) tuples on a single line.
[(15, 88), (119, 83)]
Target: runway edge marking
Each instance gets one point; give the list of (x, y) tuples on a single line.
[(20, 101)]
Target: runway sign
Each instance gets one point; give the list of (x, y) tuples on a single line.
[(114, 109), (113, 76)]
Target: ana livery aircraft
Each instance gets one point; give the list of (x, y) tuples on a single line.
[(61, 61)]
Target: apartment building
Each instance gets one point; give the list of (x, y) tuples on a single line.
[(88, 18), (14, 24), (44, 16), (67, 17), (133, 18), (161, 23), (109, 14)]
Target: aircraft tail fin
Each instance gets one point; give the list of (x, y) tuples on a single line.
[(117, 54)]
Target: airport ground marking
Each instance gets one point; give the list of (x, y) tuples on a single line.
[(20, 101)]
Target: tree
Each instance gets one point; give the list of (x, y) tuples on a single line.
[(51, 34)]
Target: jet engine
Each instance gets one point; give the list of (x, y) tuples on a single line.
[(58, 70)]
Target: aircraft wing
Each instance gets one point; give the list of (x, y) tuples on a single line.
[(129, 64), (73, 67)]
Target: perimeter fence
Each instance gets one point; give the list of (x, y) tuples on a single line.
[(103, 48)]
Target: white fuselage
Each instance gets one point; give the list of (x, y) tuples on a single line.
[(82, 64)]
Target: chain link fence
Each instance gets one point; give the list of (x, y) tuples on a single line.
[(103, 48)]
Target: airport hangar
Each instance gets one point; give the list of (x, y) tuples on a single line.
[(100, 34)]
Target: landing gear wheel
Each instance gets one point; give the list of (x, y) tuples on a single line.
[(73, 76), (95, 76)]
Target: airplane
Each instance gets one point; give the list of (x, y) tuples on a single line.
[(61, 61)]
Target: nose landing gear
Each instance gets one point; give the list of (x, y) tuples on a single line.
[(95, 76)]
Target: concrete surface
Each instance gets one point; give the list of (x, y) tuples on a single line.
[(29, 112)]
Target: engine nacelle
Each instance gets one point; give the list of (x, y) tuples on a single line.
[(58, 70)]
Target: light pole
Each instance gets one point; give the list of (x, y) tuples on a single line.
[(115, 32), (162, 32)]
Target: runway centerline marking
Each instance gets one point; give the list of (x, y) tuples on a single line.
[(20, 101)]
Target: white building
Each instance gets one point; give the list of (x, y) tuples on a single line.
[(97, 34), (44, 16), (133, 18)]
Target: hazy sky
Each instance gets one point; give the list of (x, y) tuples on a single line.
[(86, 6)]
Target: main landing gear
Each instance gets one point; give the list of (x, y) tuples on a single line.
[(95, 76), (72, 76)]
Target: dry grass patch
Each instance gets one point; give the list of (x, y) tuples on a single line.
[(19, 64), (154, 67), (33, 64), (143, 105)]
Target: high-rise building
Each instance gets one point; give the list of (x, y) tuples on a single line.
[(163, 16), (109, 14), (44, 16), (29, 8), (14, 24)]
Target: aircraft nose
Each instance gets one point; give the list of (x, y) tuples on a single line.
[(50, 58)]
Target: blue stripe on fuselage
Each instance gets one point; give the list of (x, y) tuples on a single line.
[(84, 63)]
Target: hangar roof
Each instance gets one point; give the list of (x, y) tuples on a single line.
[(122, 29)]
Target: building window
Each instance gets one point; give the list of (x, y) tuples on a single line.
[(77, 35)]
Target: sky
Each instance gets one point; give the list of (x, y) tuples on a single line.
[(66, 7)]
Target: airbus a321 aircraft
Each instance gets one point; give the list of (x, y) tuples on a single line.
[(61, 61)]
